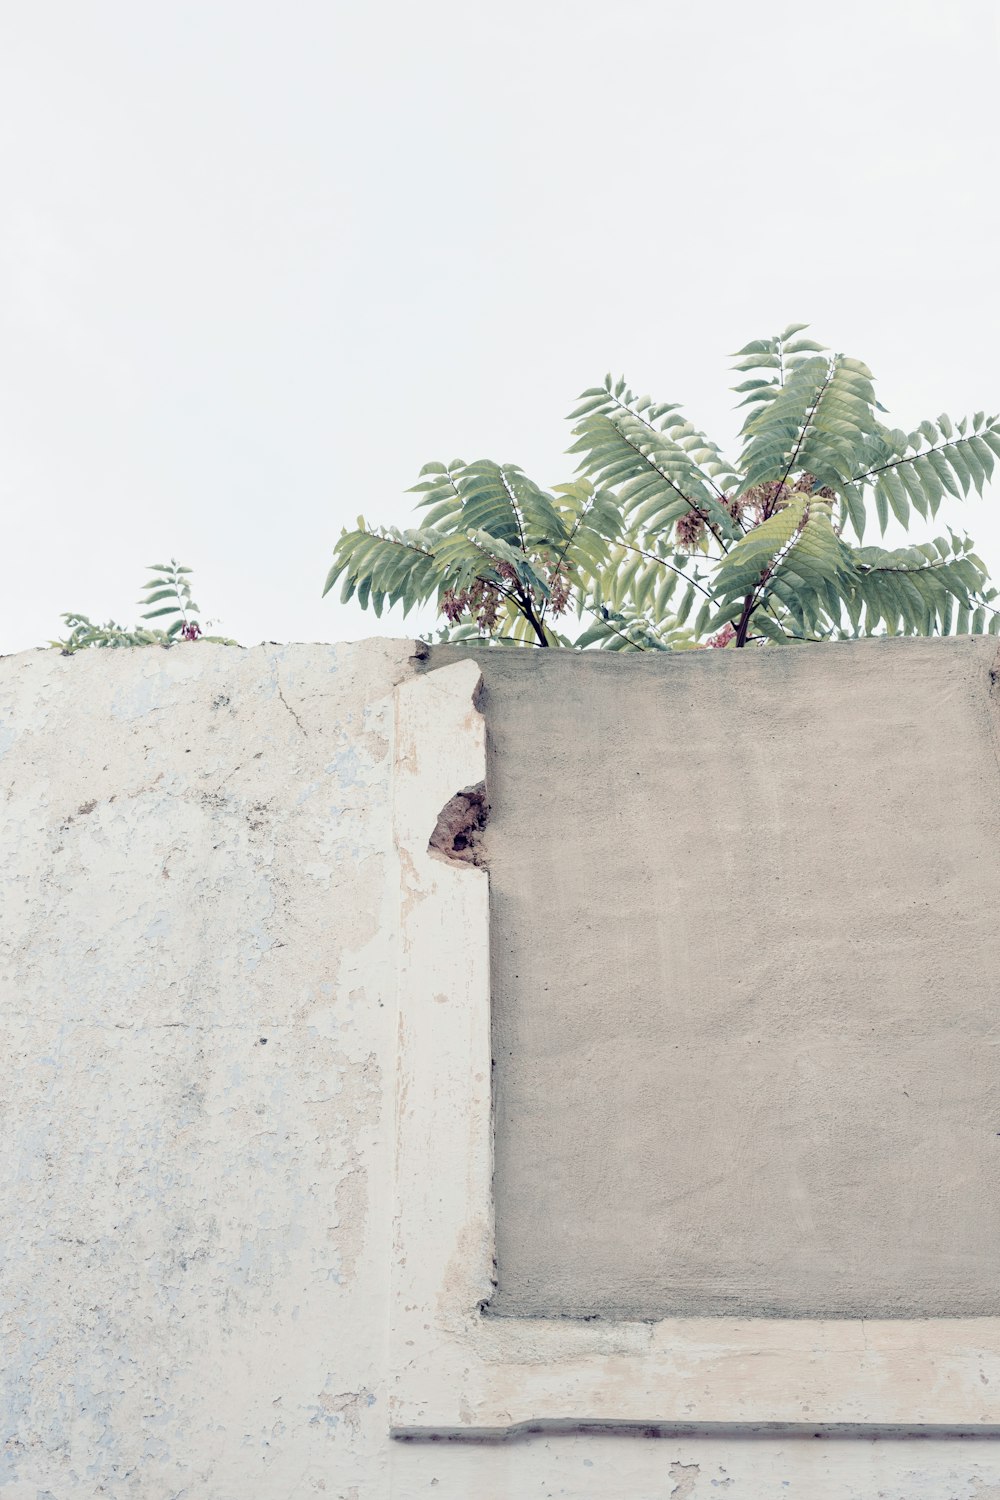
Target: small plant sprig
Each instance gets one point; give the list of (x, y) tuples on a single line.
[(169, 590)]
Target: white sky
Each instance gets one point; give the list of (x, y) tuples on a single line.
[(260, 261)]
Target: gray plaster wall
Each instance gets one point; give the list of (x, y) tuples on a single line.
[(746, 990)]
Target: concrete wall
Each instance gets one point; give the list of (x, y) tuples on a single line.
[(746, 980), (198, 986), (197, 974)]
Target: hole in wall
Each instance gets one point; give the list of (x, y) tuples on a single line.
[(458, 832)]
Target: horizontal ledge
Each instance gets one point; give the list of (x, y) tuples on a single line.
[(568, 1427)]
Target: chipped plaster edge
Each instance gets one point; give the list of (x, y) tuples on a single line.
[(456, 1372)]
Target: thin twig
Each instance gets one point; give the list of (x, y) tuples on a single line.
[(620, 633)]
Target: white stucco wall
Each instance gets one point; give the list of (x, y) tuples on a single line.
[(198, 947)]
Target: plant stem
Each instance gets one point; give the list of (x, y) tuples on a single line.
[(522, 599), (533, 620), (743, 628)]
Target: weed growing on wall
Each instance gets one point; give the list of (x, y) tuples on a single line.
[(169, 590)]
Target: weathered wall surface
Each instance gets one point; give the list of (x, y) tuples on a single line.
[(197, 987), (198, 902), (746, 981)]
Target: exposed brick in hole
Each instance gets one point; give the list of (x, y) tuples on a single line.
[(458, 832)]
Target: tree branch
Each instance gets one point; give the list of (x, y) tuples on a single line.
[(513, 506), (663, 562), (810, 414), (638, 417), (909, 458), (667, 480)]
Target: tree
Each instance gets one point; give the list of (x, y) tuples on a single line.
[(661, 543)]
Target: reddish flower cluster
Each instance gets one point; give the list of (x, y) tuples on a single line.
[(762, 500), (807, 482), (190, 630), (481, 601), (689, 530), (725, 635), (559, 588)]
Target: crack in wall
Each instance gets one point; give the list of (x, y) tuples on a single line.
[(291, 710)]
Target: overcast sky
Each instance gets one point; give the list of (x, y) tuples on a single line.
[(261, 261)]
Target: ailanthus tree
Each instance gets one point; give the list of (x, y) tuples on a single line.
[(662, 543)]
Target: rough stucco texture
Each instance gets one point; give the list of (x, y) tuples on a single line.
[(746, 981)]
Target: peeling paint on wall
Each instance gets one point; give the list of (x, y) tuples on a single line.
[(686, 1476), (197, 983)]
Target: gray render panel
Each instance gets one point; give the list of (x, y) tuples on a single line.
[(746, 973)]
